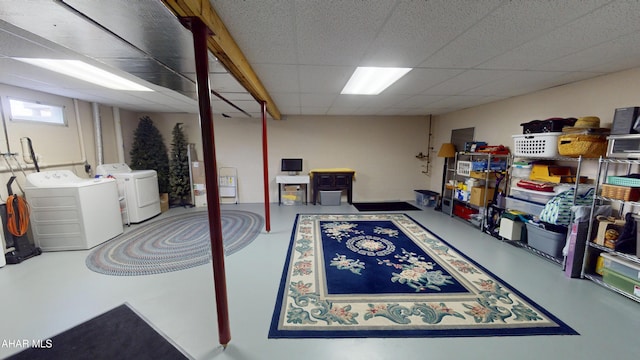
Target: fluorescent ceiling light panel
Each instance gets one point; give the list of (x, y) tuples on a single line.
[(372, 80), (83, 71)]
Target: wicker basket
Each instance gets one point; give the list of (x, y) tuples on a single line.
[(626, 193), (589, 146)]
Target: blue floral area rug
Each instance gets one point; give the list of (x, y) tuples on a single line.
[(173, 243), (385, 275)]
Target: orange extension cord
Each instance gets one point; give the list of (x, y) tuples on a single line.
[(17, 223)]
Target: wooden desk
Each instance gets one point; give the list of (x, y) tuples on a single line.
[(332, 180)]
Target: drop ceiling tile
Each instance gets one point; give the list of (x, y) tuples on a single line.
[(467, 80), (278, 77), (317, 100), (264, 30), (510, 25), (526, 82), (286, 100), (421, 101), (323, 79), (460, 101), (344, 111), (420, 79), (350, 101), (314, 110), (610, 56), (417, 29), (335, 32), (289, 110)]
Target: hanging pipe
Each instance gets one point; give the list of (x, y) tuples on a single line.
[(97, 125), (119, 141), (265, 162)]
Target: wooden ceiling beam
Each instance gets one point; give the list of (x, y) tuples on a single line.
[(225, 49)]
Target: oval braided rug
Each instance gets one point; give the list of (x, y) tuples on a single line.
[(174, 243)]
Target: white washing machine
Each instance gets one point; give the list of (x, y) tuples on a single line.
[(71, 213), (139, 189)]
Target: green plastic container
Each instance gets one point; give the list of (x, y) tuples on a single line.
[(621, 282)]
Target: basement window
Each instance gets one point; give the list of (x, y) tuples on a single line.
[(21, 110)]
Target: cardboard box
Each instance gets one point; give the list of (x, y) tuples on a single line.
[(510, 229), (477, 195), (198, 186), (200, 195), (164, 202), (197, 172), (482, 175), (201, 201)]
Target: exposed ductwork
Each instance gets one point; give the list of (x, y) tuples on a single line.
[(119, 140), (97, 125)]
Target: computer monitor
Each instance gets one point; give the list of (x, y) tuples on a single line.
[(291, 165)]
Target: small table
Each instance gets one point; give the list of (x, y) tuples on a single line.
[(301, 180), (332, 179)]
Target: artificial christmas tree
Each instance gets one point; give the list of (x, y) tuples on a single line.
[(179, 168), (150, 153)]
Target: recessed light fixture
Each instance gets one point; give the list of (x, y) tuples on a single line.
[(83, 71), (372, 80)]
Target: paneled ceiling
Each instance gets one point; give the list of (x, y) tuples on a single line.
[(464, 52)]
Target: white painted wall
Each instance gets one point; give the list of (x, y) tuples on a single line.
[(380, 149)]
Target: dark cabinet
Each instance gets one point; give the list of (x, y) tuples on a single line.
[(330, 181)]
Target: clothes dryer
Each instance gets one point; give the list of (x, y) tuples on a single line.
[(139, 189), (72, 213)]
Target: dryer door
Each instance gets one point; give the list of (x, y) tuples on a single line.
[(147, 190)]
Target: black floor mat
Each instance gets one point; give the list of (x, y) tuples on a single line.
[(385, 206), (117, 334)]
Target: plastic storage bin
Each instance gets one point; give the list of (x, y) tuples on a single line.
[(520, 171), (540, 197), (426, 198), (621, 282), (524, 206), (330, 197), (293, 197), (547, 241), (621, 266), (536, 145), (464, 211)]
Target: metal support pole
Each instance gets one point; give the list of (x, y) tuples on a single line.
[(265, 162), (200, 35)]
